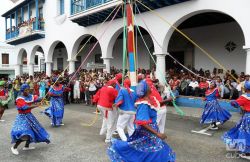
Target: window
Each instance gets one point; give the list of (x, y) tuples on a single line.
[(61, 7), (40, 12), (5, 58)]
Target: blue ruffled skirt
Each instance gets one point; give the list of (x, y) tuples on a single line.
[(213, 112), (28, 125), (142, 146), (239, 136), (56, 111)]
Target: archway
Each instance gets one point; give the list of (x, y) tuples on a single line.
[(216, 32), (37, 59), (94, 58), (58, 56), (21, 62)]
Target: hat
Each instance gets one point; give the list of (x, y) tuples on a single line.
[(24, 87), (111, 82), (118, 76), (247, 85), (127, 83), (211, 82), (149, 82), (142, 88)]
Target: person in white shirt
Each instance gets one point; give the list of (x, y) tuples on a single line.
[(77, 91), (193, 87)]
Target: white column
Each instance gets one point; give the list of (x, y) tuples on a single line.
[(106, 61), (161, 67), (31, 69), (48, 68), (248, 61), (72, 66), (19, 70)]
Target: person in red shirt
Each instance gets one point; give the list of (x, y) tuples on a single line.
[(203, 86), (162, 109), (105, 99), (3, 96), (174, 83), (36, 89), (238, 138)]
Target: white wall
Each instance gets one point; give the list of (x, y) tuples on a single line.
[(61, 28), (58, 54), (213, 39), (143, 56)]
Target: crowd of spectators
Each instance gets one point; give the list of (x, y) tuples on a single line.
[(88, 82)]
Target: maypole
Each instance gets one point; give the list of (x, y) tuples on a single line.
[(131, 44)]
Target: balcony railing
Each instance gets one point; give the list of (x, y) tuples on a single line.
[(83, 5), (24, 29)]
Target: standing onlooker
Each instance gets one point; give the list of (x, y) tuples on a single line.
[(30, 81), (82, 91), (42, 88), (77, 91), (92, 90)]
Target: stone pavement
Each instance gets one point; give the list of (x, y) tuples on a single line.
[(77, 143)]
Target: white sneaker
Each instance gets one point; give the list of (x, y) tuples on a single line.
[(115, 132), (107, 141), (14, 151), (214, 128), (61, 124), (2, 120), (244, 156), (28, 148), (103, 132)]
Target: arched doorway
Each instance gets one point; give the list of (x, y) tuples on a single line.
[(82, 47), (21, 62), (37, 59), (57, 56), (217, 33)]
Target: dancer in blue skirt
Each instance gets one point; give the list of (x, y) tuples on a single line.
[(146, 144), (238, 138), (56, 110), (26, 127), (213, 112)]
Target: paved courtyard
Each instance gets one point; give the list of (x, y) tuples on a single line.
[(77, 143)]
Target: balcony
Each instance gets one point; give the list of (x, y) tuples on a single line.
[(78, 6), (20, 26), (91, 12)]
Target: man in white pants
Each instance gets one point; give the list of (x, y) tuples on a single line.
[(162, 109), (126, 102), (105, 98)]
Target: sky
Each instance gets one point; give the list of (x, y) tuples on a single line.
[(4, 6)]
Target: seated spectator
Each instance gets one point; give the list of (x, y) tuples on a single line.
[(221, 87), (233, 93), (174, 83), (203, 85), (193, 88), (184, 86)]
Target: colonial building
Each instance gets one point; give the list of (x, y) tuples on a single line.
[(57, 29)]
